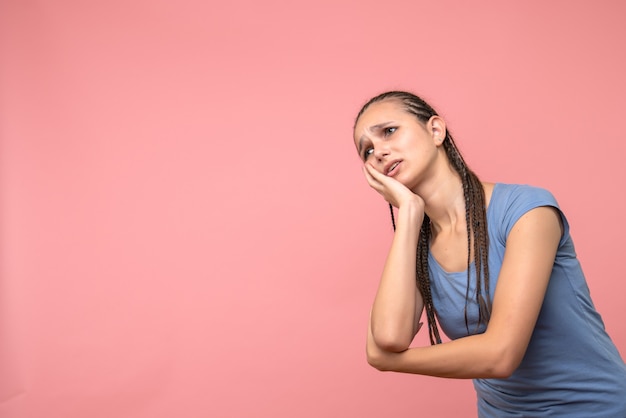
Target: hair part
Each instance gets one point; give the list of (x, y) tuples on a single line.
[(475, 218)]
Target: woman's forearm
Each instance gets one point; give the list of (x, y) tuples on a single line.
[(397, 304), (466, 358)]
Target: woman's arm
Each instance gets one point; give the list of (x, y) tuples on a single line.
[(528, 260), (397, 305)]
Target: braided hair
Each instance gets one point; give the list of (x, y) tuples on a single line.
[(475, 218)]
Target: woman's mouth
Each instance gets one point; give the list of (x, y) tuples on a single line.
[(392, 170)]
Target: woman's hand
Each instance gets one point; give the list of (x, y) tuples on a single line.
[(391, 189)]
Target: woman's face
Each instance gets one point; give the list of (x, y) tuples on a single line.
[(396, 143)]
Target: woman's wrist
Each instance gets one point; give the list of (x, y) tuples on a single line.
[(412, 210)]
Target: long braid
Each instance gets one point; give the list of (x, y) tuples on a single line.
[(423, 281), (476, 221), (475, 218), (424, 285), (468, 224)]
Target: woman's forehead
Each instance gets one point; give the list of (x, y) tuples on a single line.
[(380, 112), (384, 107)]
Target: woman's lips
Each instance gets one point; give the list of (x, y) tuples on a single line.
[(393, 169)]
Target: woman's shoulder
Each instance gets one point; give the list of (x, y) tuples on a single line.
[(519, 194), (509, 202)]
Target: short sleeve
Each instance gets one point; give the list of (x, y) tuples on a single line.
[(518, 200)]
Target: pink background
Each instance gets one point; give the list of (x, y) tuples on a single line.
[(185, 230)]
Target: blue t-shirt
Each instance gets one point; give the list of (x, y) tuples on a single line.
[(571, 367)]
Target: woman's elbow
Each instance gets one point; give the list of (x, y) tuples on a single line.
[(378, 361), (392, 342), (379, 357), (503, 365), (374, 361), (499, 372)]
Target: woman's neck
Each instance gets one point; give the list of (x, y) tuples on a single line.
[(445, 203)]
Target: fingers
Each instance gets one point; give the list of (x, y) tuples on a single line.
[(370, 174), (374, 173), (387, 187), (392, 190)]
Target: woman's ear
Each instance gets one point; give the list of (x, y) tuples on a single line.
[(437, 128)]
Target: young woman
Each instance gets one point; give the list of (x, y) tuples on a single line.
[(492, 264)]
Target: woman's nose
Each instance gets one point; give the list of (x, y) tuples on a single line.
[(381, 152)]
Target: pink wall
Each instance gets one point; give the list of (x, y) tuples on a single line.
[(185, 230)]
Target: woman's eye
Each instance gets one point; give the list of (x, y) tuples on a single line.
[(367, 153), (388, 131)]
